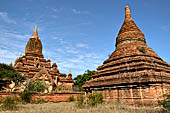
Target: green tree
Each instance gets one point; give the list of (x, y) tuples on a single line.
[(166, 102), (8, 74), (94, 99), (36, 86), (81, 79)]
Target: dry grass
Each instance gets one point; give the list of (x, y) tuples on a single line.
[(70, 107)]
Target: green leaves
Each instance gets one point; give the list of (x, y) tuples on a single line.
[(36, 86), (95, 98), (166, 103), (8, 74), (81, 79)]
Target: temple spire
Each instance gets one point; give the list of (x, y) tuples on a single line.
[(35, 34), (127, 13), (69, 72), (129, 32)]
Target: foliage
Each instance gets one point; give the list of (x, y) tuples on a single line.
[(9, 103), (26, 96), (109, 55), (81, 79), (141, 49), (91, 100), (36, 86), (166, 102), (94, 99), (71, 98), (7, 74), (61, 88), (40, 101), (80, 101)]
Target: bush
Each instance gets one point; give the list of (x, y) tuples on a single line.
[(71, 98), (26, 96), (166, 103), (80, 101), (36, 86), (40, 101), (9, 103), (94, 99), (141, 49)]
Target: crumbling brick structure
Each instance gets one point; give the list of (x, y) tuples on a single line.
[(134, 74), (33, 65)]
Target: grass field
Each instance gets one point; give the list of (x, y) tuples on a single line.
[(70, 107)]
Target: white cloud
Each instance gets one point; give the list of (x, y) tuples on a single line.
[(71, 57), (12, 44), (75, 11), (4, 17), (81, 45), (57, 9), (80, 62), (7, 55)]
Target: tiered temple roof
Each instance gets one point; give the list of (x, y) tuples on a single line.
[(33, 64), (132, 62)]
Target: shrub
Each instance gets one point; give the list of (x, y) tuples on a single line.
[(9, 103), (40, 101), (166, 103), (94, 99), (36, 86), (26, 96), (80, 101), (141, 49), (71, 98)]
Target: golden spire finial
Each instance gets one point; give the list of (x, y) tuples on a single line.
[(127, 13), (54, 62), (35, 30), (35, 34), (70, 72)]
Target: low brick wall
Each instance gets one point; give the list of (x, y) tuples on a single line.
[(59, 96)]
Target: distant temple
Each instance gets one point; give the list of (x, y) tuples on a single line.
[(134, 74), (33, 64)]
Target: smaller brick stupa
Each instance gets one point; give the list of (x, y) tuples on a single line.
[(33, 64), (134, 74)]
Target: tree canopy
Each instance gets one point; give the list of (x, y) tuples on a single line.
[(81, 79), (7, 74), (36, 86)]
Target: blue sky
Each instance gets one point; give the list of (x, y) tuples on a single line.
[(79, 34)]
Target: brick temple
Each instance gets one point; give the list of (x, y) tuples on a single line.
[(134, 74), (33, 65)]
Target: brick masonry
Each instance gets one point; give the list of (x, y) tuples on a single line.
[(59, 96)]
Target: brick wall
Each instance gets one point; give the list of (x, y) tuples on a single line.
[(59, 96)]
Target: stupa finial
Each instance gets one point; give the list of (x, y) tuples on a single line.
[(127, 13), (69, 72), (35, 34)]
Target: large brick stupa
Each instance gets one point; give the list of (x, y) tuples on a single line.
[(134, 74)]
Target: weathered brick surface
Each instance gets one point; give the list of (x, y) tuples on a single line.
[(134, 73), (60, 96), (33, 65)]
